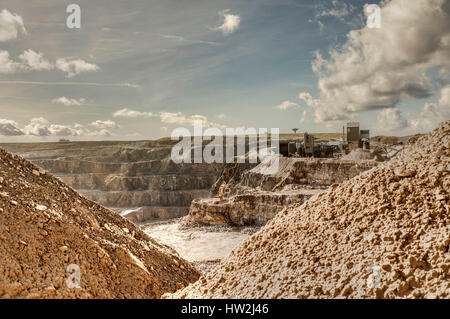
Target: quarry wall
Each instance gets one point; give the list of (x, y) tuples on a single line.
[(136, 177), (253, 198), (139, 180)]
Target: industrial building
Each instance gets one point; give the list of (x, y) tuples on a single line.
[(357, 138), (353, 136), (311, 147)]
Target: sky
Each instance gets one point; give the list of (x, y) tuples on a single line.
[(138, 69)]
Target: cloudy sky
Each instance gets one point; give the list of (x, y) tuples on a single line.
[(138, 69)]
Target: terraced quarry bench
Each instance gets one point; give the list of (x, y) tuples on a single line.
[(125, 176)]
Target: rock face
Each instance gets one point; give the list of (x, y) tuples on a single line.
[(382, 234), (246, 209), (253, 197), (305, 171), (49, 232), (125, 175)]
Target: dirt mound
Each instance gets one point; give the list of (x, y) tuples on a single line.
[(360, 154), (45, 226), (382, 234)]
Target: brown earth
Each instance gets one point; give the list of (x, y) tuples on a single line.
[(45, 226), (382, 234)]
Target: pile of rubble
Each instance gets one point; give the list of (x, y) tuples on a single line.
[(364, 155), (382, 234), (55, 243)]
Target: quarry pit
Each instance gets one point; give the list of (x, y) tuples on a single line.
[(323, 223), (176, 204)]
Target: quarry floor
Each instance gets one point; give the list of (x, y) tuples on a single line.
[(204, 246)]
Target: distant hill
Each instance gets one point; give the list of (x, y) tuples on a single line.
[(165, 141)]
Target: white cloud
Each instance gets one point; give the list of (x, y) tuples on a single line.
[(68, 83), (390, 119), (376, 68), (321, 25), (30, 60), (61, 130), (38, 127), (434, 113), (441, 109), (101, 133), (7, 66), (9, 128), (35, 61), (168, 117), (130, 114), (75, 66), (181, 119), (230, 23), (69, 102), (10, 26), (286, 105), (338, 9), (130, 85), (81, 130), (104, 124), (42, 127), (172, 37), (444, 76), (309, 100), (179, 38), (303, 118)]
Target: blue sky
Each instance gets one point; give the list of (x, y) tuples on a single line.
[(166, 61)]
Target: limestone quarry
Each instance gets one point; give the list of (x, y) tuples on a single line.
[(176, 203), (383, 234), (354, 227), (244, 151)]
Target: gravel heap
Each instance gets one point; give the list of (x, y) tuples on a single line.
[(45, 226), (382, 234), (364, 155)]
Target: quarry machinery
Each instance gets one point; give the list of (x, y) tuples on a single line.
[(357, 138), (353, 135), (308, 147), (224, 191), (312, 147)]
